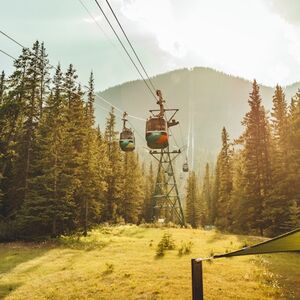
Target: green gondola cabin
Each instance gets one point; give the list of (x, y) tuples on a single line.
[(185, 167), (127, 140), (156, 133)]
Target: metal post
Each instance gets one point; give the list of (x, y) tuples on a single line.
[(197, 280)]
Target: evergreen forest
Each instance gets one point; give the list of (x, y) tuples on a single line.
[(254, 187), (60, 173)]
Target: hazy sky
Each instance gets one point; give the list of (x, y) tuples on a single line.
[(250, 38)]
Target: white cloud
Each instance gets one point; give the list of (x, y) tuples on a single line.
[(245, 38)]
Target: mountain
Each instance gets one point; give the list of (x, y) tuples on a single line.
[(207, 100)]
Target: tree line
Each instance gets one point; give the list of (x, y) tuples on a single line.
[(59, 172), (255, 185)]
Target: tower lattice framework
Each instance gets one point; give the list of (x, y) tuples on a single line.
[(166, 202)]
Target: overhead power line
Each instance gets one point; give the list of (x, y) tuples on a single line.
[(102, 107), (130, 44), (98, 25), (123, 46), (12, 39), (8, 54)]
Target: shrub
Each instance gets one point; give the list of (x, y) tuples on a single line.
[(160, 250), (185, 248), (166, 243), (109, 268)]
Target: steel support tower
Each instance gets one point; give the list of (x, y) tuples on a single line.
[(166, 202)]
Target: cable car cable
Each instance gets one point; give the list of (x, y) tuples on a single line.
[(102, 30), (101, 98), (23, 47), (137, 131), (130, 44), (96, 95), (8, 54), (116, 34), (12, 39), (117, 108), (95, 21)]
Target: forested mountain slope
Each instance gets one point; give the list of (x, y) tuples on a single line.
[(210, 99)]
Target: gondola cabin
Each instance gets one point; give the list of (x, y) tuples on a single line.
[(156, 133), (127, 140), (185, 167)]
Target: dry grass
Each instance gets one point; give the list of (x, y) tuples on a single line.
[(120, 263)]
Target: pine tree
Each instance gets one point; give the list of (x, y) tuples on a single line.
[(115, 177), (275, 211), (192, 212), (257, 168), (47, 206), (94, 167), (212, 209), (149, 190), (293, 144), (43, 66), (101, 173), (223, 206), (293, 220), (2, 87), (132, 195), (25, 84), (70, 86), (13, 117), (2, 141), (237, 201), (206, 196)]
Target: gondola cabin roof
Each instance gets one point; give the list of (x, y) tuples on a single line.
[(126, 134), (156, 124)]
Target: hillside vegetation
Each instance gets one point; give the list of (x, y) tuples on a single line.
[(121, 263), (210, 98)]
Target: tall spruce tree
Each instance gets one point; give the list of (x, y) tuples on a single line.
[(206, 196), (257, 165), (293, 144), (2, 87), (275, 210), (25, 85), (132, 195), (11, 133), (46, 209), (149, 190), (192, 200), (94, 167), (115, 177), (223, 205), (237, 201), (212, 209)]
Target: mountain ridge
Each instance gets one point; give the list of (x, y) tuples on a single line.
[(207, 100)]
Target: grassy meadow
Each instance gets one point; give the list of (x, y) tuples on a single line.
[(121, 263)]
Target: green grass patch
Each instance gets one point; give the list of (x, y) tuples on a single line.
[(119, 262)]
